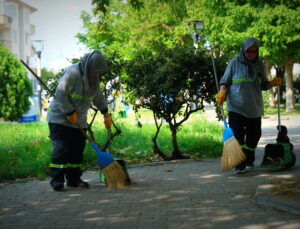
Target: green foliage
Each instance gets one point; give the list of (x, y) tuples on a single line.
[(167, 80), (27, 154), (125, 30), (15, 87), (276, 24), (46, 75), (172, 83)]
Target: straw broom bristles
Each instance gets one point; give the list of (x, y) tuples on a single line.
[(115, 175), (232, 154)]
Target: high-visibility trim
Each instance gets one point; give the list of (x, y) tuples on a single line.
[(242, 80), (74, 165), (49, 110), (58, 166), (61, 166), (75, 96), (248, 148)]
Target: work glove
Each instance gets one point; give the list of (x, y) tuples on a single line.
[(107, 120), (276, 81), (221, 96), (72, 117)]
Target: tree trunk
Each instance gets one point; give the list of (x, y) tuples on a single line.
[(289, 88), (176, 154), (272, 102), (156, 149)]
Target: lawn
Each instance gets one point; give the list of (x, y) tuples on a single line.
[(25, 148)]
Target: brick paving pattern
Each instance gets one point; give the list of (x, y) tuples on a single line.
[(177, 194)]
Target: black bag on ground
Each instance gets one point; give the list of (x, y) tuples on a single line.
[(279, 155)]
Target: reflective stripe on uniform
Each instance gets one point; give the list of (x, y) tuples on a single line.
[(243, 80), (75, 96), (248, 148), (59, 166)]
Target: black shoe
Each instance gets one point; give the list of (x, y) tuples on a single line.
[(80, 184), (250, 166), (58, 187), (240, 171)]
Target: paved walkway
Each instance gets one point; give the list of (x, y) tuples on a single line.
[(182, 194)]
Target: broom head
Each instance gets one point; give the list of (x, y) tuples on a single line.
[(232, 152), (115, 175)]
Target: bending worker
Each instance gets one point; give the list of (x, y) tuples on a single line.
[(78, 88), (242, 85)]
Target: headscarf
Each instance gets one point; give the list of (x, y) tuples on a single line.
[(246, 45), (91, 63)]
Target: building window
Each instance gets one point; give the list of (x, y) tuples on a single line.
[(7, 10)]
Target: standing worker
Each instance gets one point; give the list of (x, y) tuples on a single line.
[(242, 85), (77, 89)]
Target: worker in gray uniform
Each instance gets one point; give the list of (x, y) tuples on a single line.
[(242, 85), (77, 90)]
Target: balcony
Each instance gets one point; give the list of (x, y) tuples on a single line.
[(5, 22)]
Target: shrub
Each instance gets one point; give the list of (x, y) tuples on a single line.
[(15, 87)]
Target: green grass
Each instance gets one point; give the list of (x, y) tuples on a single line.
[(283, 112), (25, 149)]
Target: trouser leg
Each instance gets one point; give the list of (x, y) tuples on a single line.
[(237, 124), (73, 172), (253, 134), (59, 135)]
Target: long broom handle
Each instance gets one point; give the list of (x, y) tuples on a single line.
[(38, 78), (52, 94), (216, 79)]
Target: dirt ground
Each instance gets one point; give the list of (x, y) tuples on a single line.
[(289, 189)]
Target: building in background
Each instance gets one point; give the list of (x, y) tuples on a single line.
[(15, 34)]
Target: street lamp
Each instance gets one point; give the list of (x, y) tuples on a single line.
[(38, 46), (198, 27)]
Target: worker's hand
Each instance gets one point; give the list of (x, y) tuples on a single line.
[(107, 120), (276, 81), (72, 117), (221, 96)]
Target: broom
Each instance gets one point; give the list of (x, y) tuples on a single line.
[(232, 154), (113, 171)]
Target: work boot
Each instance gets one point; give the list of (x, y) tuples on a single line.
[(240, 168), (57, 186), (80, 184)]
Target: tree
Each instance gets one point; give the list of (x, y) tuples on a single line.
[(173, 84), (275, 23), (125, 30), (15, 87)]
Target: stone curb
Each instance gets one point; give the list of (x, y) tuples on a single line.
[(264, 196)]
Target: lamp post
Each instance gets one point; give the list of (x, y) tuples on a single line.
[(198, 27), (38, 46)]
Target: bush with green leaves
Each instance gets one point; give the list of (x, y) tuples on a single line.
[(15, 87), (173, 84)]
